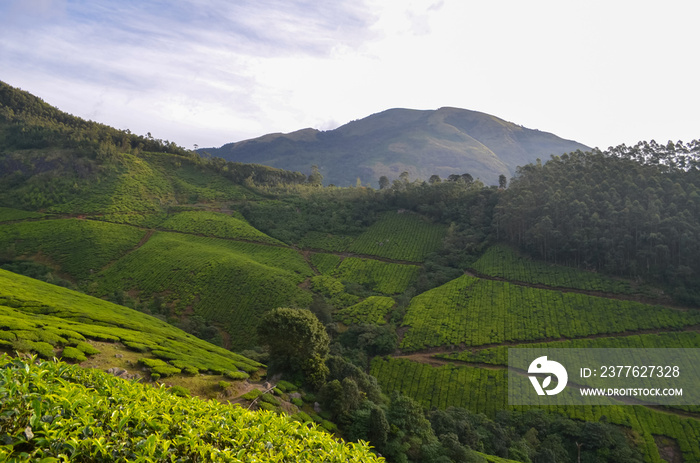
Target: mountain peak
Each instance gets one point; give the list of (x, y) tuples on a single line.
[(444, 141)]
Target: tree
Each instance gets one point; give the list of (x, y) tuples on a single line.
[(315, 177), (502, 181), (383, 182), (467, 178), (434, 179), (297, 342), (378, 427)]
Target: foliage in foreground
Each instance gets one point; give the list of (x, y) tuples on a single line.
[(58, 412)]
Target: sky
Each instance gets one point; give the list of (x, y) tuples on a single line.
[(210, 72)]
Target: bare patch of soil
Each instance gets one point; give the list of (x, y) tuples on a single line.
[(669, 450)]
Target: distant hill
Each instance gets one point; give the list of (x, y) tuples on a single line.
[(443, 142)]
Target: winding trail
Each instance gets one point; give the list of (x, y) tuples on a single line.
[(622, 297), (618, 334)]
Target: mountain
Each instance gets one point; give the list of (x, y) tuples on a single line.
[(423, 290), (421, 142)]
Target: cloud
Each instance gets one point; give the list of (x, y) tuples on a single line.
[(188, 63), (215, 71)]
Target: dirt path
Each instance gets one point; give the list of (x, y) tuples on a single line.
[(346, 254), (587, 292), (306, 254), (143, 241), (426, 358), (463, 347)]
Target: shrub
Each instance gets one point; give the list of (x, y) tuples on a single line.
[(164, 354), (136, 346), (44, 349), (328, 426), (71, 353), (224, 385), (286, 386), (268, 407), (302, 417), (166, 370), (269, 398), (236, 375), (87, 348), (49, 337), (179, 391), (252, 395)]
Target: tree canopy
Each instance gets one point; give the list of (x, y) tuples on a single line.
[(297, 341)]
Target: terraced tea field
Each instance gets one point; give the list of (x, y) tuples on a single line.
[(52, 321), (504, 262), (372, 310), (484, 390), (469, 323), (406, 236), (217, 225), (232, 283), (473, 311), (382, 277), (77, 247)]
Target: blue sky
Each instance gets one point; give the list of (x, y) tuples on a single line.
[(209, 72)]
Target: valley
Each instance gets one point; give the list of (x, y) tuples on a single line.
[(168, 264)]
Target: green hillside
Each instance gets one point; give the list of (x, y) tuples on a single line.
[(472, 312), (77, 247), (181, 259), (484, 390), (444, 142), (52, 321), (503, 262), (405, 237), (215, 224), (228, 282)]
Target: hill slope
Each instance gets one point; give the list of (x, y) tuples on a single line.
[(443, 142), (102, 418)]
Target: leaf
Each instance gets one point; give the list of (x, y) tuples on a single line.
[(546, 382)]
